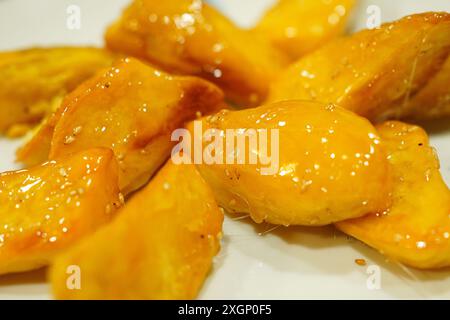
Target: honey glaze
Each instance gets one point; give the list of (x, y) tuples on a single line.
[(190, 37), (48, 207), (330, 165), (415, 230)]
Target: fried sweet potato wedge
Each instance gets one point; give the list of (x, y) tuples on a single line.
[(416, 229), (374, 73), (131, 108), (304, 163), (165, 238), (48, 208), (33, 82), (190, 37), (297, 27)]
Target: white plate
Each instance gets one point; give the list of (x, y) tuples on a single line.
[(254, 262)]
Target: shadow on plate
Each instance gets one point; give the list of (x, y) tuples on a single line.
[(31, 277), (309, 250), (432, 127)]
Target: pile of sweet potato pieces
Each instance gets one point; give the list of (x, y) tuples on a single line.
[(100, 191)]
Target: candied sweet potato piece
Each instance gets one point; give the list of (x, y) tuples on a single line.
[(190, 37), (374, 73), (165, 239), (297, 27), (416, 228), (48, 208), (132, 109), (34, 81), (327, 164)]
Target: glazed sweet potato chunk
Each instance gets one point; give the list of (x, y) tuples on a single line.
[(48, 208), (374, 73), (190, 37), (165, 238), (416, 228), (131, 108), (300, 163), (33, 82), (297, 27)]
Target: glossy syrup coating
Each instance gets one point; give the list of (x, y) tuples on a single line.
[(435, 95), (416, 228), (160, 246), (34, 81), (374, 73), (190, 37), (331, 165), (48, 208), (297, 27), (132, 109)]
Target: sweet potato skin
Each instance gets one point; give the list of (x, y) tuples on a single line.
[(190, 37), (297, 27), (416, 229), (131, 108), (320, 178), (374, 73), (48, 208), (165, 238), (34, 81)]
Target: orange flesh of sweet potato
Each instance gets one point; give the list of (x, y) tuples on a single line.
[(190, 37), (374, 73), (47, 208), (416, 229), (34, 81), (326, 155), (160, 246), (297, 27), (131, 108)]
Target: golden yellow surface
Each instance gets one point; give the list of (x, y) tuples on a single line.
[(416, 229), (331, 165), (131, 108), (306, 154), (433, 100), (48, 208), (33, 82), (160, 246), (297, 27), (36, 147), (190, 37), (374, 73)]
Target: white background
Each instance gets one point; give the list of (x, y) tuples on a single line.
[(255, 262)]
